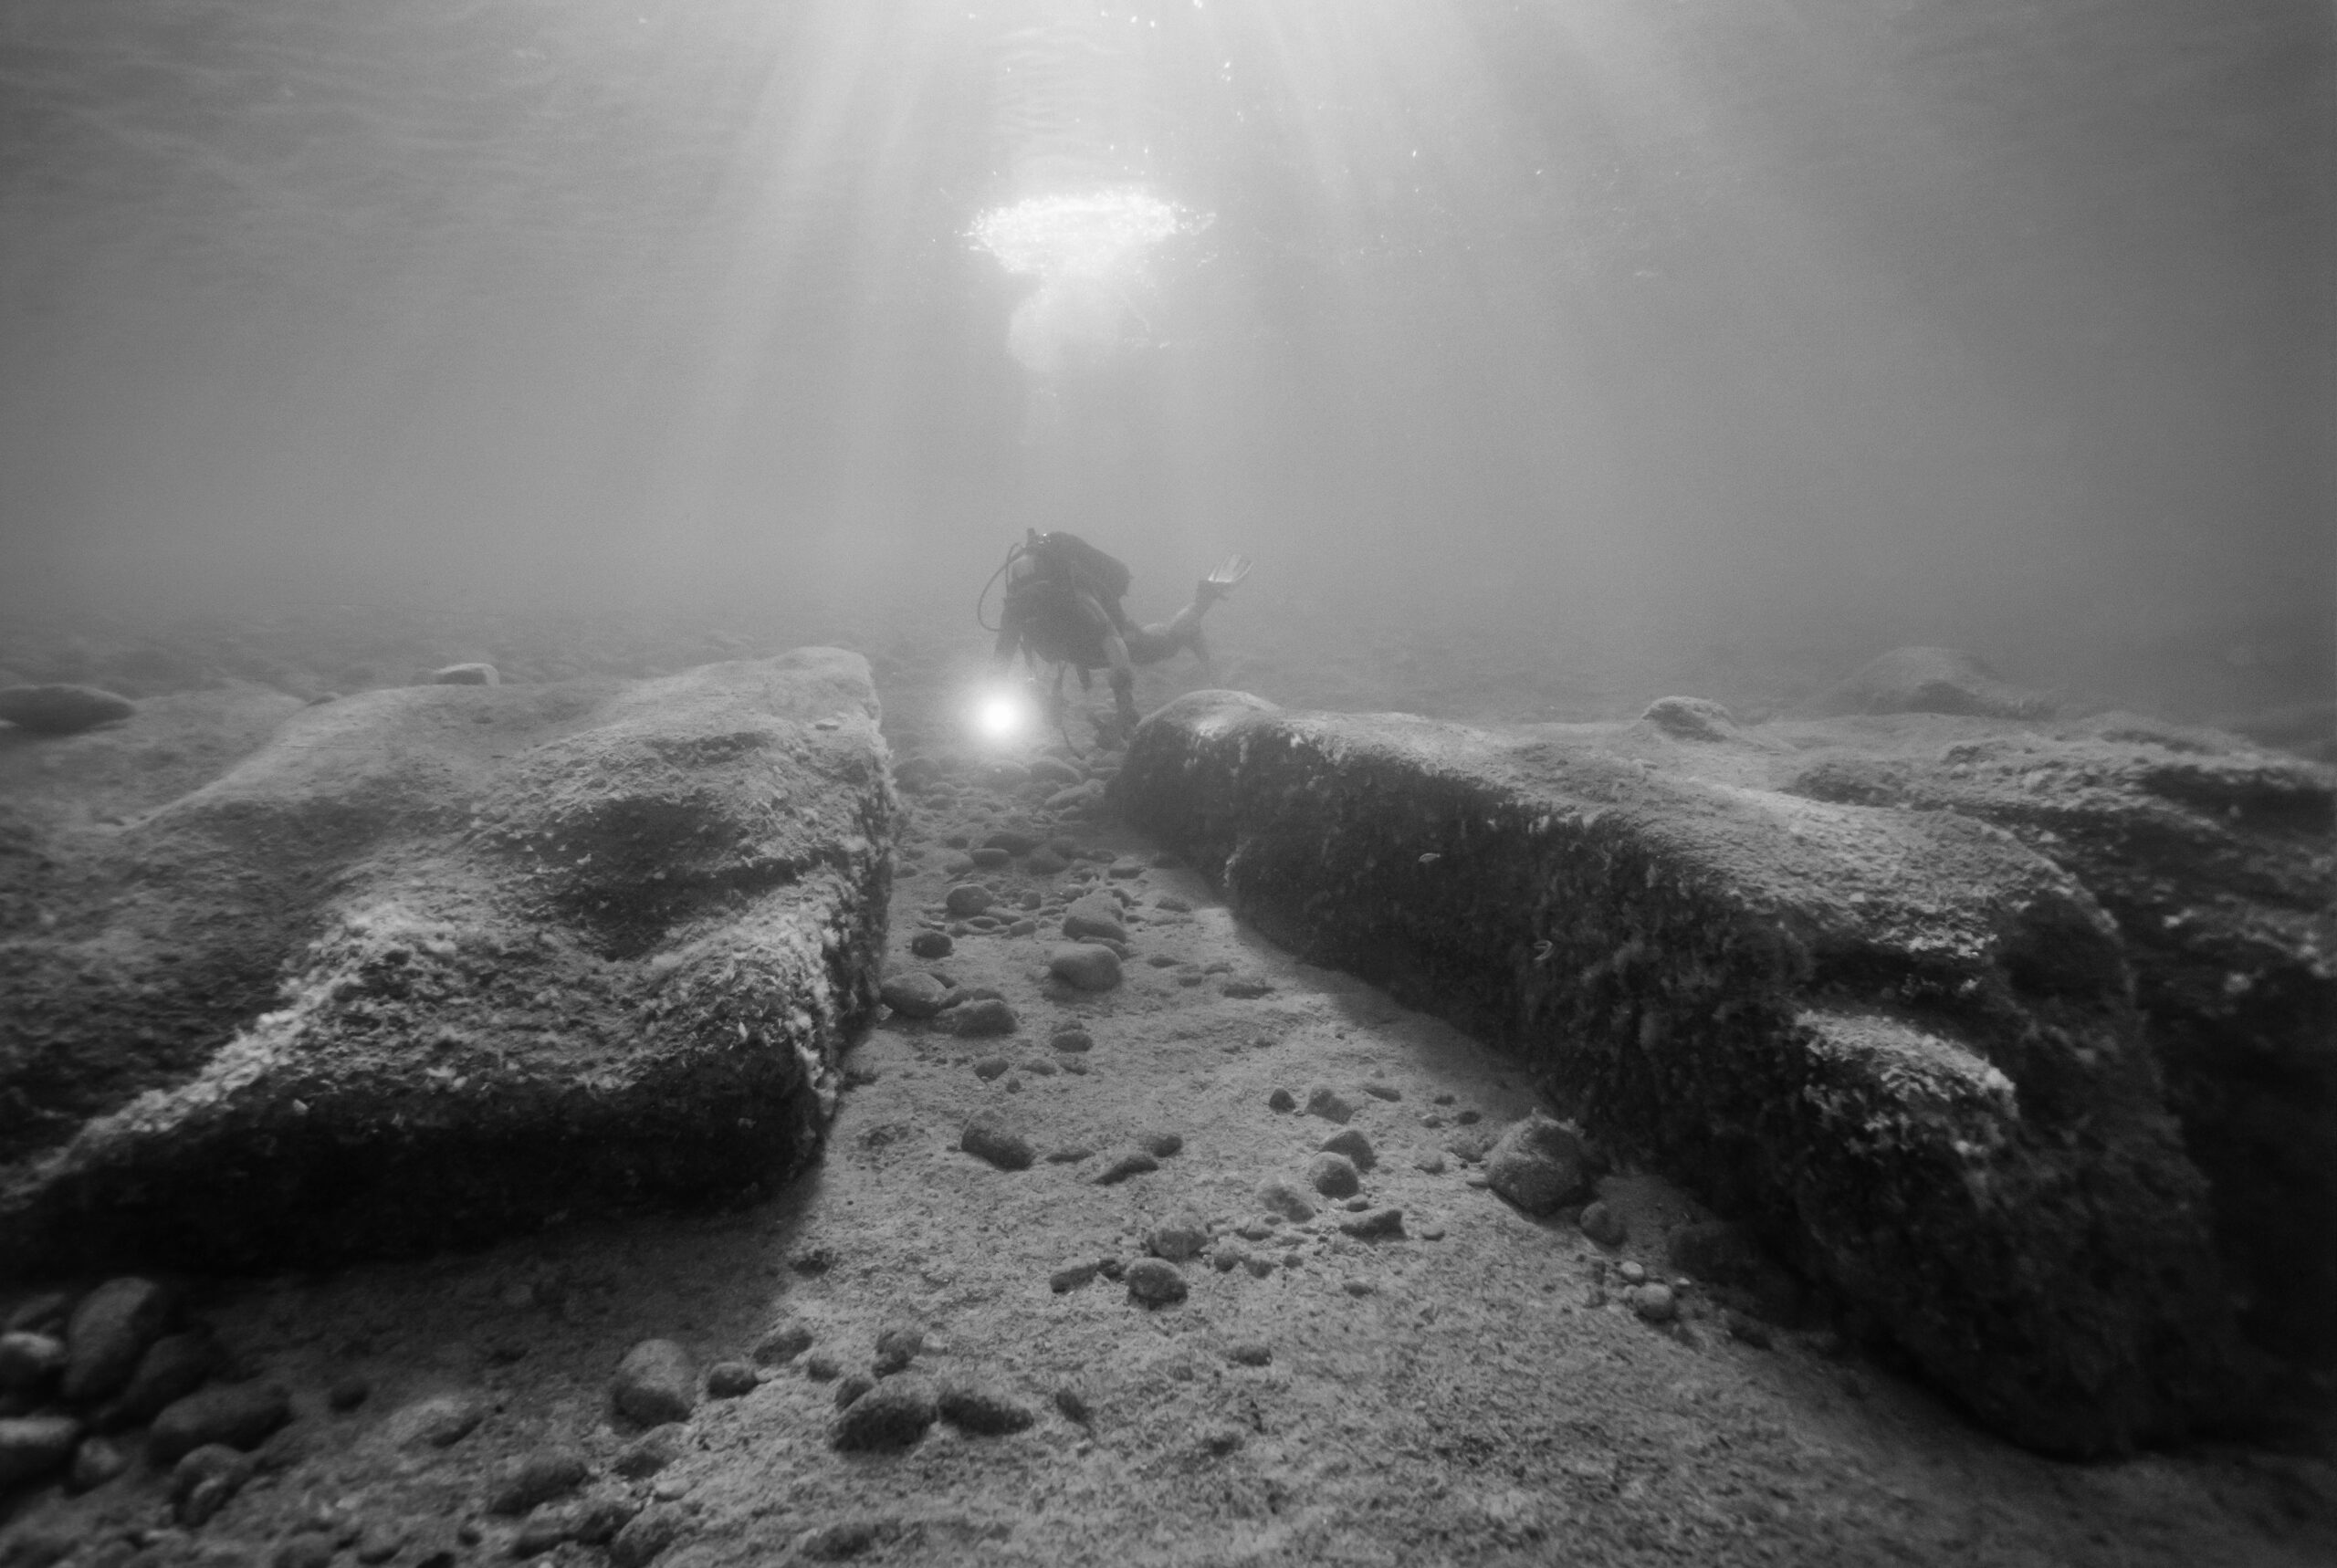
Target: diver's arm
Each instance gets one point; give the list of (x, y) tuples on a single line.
[(1115, 649)]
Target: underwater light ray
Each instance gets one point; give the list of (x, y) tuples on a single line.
[(757, 237)]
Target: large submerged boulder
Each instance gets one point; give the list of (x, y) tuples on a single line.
[(1932, 680), (1902, 1043), (437, 962)]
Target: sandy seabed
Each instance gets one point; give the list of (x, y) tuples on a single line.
[(1474, 1391)]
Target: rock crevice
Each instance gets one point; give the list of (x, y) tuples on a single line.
[(1904, 1043)]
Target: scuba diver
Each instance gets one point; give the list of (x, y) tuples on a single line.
[(1063, 606)]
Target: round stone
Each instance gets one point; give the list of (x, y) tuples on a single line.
[(1155, 1283)]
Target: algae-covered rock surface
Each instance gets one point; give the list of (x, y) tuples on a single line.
[(1905, 1044), (428, 964)]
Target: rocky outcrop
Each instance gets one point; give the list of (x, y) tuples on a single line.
[(1904, 1044), (61, 709), (2216, 862), (1932, 680), (440, 961)]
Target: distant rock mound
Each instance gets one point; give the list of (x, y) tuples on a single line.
[(1902, 1043), (1932, 680), (61, 709), (438, 962)]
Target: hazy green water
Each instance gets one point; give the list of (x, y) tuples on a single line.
[(1988, 322)]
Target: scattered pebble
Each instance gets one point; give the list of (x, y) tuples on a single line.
[(1085, 966), (1323, 1101), (986, 1016), (439, 1421), (1334, 1176), (1126, 1164), (1164, 1145), (730, 1380), (916, 995), (1070, 1154), (783, 1343), (648, 1535), (1351, 1143), (310, 1549), (1154, 1283), (1383, 1091), (1228, 1256), (1071, 1040), (1094, 916), (382, 1538), (1358, 1287), (649, 1453), (235, 1416), (1654, 1302), (1375, 1225), (28, 1360), (893, 1414), (1537, 1165), (822, 1368), (538, 1478), (95, 1462), (985, 1411), (1282, 1100), (1632, 1274), (110, 1331), (1073, 1405), (1249, 1352), (655, 1382), (33, 1445), (205, 1479), (1286, 1199), (1430, 1161), (897, 1344), (932, 945), (967, 898), (851, 1387), (1071, 1277), (1431, 1233), (1603, 1225), (1177, 1238), (1222, 1438), (990, 1067), (1244, 991)]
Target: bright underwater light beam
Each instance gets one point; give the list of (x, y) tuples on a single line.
[(1087, 249)]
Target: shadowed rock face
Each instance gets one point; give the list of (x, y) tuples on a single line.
[(1904, 1042), (437, 962), (2216, 861)]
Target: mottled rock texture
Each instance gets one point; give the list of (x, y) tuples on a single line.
[(435, 962), (1907, 1045)]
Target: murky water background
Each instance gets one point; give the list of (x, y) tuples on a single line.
[(1806, 321)]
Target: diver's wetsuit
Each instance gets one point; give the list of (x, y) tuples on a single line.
[(1062, 605)]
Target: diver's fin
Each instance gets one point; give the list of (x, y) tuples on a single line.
[(1229, 571)]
